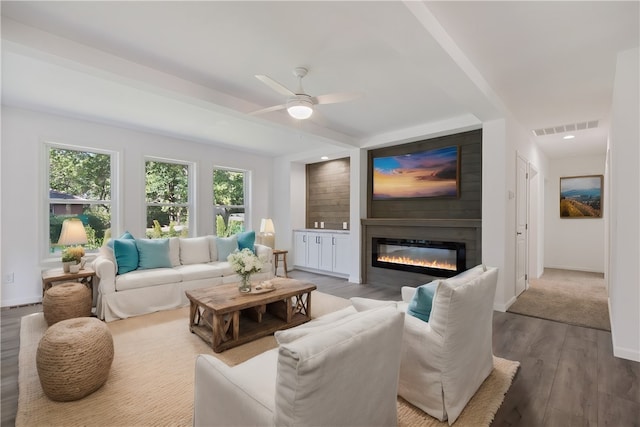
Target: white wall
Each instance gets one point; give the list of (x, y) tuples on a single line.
[(23, 202), (573, 243), (624, 222)]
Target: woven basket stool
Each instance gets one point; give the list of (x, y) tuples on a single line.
[(74, 357), (66, 301)]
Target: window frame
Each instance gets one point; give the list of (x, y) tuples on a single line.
[(114, 210), (191, 191)]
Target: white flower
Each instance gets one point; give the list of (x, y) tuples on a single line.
[(244, 262)]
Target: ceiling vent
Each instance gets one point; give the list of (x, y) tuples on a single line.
[(566, 128)]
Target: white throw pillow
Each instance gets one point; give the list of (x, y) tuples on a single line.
[(194, 250), (213, 248), (174, 251), (363, 304), (322, 323)]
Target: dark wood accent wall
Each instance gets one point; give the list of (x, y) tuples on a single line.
[(469, 203), (328, 193), (441, 219)]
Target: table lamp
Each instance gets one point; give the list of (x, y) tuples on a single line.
[(267, 233), (73, 233)]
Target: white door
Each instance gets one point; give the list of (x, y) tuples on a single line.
[(300, 240), (313, 250), (341, 253), (522, 203), (326, 252)]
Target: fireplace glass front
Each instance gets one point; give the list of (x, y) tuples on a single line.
[(440, 259)]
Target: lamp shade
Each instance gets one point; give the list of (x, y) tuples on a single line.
[(266, 226), (72, 233)]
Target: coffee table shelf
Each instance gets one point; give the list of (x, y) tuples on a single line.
[(224, 318)]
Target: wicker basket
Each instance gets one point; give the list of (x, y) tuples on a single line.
[(74, 358), (66, 301)]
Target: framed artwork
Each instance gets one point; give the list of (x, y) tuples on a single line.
[(581, 196), (430, 173)]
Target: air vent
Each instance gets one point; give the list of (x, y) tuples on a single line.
[(566, 128)]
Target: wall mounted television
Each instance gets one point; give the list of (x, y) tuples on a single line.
[(429, 173)]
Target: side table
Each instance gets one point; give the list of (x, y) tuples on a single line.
[(276, 259), (84, 276)]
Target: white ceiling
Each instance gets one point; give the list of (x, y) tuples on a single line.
[(186, 69)]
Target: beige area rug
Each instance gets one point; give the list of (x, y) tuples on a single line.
[(152, 376), (579, 299)]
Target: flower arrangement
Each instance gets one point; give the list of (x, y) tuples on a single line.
[(73, 253), (245, 262)]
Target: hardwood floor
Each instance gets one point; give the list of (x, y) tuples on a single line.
[(568, 374)]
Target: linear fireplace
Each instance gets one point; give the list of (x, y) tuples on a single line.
[(440, 259)]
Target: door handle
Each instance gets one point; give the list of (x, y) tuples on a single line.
[(518, 233)]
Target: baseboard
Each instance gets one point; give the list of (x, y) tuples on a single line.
[(573, 268), (21, 301), (621, 352), (504, 307)]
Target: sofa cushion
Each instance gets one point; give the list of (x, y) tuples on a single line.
[(194, 250), (226, 245), (363, 304), (174, 251), (153, 253), (247, 240), (126, 253), (147, 278), (420, 305), (200, 271)]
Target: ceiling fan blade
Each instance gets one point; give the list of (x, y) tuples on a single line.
[(268, 109), (274, 85), (333, 98)]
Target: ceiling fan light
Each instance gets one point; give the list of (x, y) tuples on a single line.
[(300, 109)]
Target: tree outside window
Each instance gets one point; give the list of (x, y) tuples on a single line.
[(228, 196), (79, 186), (167, 198)]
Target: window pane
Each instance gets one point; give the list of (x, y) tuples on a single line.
[(167, 221), (79, 174), (167, 193), (228, 196), (167, 182)]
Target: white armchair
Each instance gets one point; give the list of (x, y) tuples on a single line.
[(338, 373), (444, 361)]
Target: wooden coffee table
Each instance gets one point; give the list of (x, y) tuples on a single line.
[(225, 318)]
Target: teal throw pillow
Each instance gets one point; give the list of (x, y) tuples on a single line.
[(420, 305), (225, 246), (126, 254), (126, 235), (247, 239), (153, 253)]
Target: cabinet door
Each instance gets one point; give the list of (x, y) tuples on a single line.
[(341, 253), (300, 241), (313, 250), (325, 261)]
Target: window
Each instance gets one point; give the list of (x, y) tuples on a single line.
[(80, 185), (168, 198), (229, 188)]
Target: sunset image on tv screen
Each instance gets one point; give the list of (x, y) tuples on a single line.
[(432, 173)]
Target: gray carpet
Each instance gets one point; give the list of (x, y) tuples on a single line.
[(575, 298)]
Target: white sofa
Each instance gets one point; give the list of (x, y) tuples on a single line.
[(194, 264), (445, 360), (340, 369)]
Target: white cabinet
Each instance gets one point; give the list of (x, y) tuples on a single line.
[(323, 251)]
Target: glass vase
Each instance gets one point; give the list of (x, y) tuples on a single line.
[(245, 283)]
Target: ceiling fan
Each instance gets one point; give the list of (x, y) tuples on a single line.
[(299, 105)]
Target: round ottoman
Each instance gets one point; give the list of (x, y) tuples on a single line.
[(74, 357), (66, 301)]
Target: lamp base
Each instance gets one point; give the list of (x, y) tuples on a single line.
[(267, 239)]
